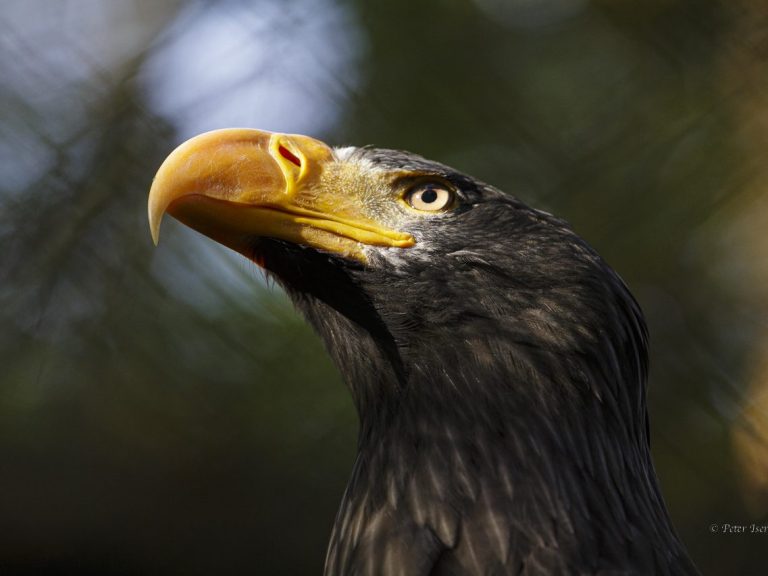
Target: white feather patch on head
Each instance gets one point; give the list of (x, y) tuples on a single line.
[(424, 251), (344, 152)]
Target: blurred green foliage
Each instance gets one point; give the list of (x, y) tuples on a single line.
[(165, 411)]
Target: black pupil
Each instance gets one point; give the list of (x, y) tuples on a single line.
[(429, 196)]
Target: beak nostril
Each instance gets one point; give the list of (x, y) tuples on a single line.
[(290, 156)]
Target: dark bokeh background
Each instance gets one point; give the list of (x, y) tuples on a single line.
[(163, 411)]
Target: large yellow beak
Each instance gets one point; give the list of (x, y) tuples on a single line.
[(236, 185)]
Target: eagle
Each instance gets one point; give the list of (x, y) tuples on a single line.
[(497, 364)]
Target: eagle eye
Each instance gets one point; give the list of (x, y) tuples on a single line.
[(430, 197)]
